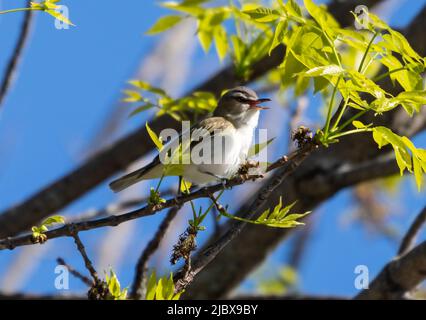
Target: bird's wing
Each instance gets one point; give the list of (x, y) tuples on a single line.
[(154, 169)]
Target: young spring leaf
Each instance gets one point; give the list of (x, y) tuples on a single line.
[(330, 70), (279, 34), (278, 218), (151, 286), (53, 220), (263, 14), (221, 41), (154, 137), (164, 23), (255, 149)]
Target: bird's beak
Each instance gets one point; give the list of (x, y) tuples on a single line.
[(255, 104)]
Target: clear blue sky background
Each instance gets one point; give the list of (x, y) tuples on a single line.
[(70, 79)]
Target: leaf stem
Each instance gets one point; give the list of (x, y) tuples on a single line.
[(159, 183), (348, 122), (384, 75), (342, 111), (330, 107), (337, 135), (367, 50), (201, 217), (17, 10)]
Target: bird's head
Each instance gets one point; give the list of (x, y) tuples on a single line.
[(239, 105)]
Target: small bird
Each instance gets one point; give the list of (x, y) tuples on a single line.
[(232, 124)]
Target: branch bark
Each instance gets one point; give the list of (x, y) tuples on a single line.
[(410, 237), (14, 60), (405, 272), (401, 275), (142, 266)]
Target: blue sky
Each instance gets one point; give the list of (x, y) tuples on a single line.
[(69, 80)]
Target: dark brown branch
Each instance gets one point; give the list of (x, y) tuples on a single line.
[(75, 273), (87, 263), (106, 163), (410, 237), (69, 229), (139, 281), (14, 60), (398, 277), (113, 208)]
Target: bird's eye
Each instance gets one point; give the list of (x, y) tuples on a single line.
[(241, 99)]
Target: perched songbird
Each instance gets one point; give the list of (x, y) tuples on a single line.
[(232, 124)]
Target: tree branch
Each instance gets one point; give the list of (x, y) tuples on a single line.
[(410, 237), (401, 275), (405, 272), (72, 228), (142, 266), (88, 264), (75, 273), (13, 63)]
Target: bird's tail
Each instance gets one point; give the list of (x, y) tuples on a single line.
[(148, 172)]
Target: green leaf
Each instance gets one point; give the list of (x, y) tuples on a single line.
[(52, 220), (279, 217), (159, 291), (164, 23), (132, 96), (330, 70), (140, 109), (359, 125), (114, 284), (151, 286), (169, 288), (60, 17), (205, 37), (262, 14), (255, 149), (279, 34), (239, 48), (221, 41), (148, 87), (189, 7), (154, 137), (184, 186), (321, 16), (293, 8)]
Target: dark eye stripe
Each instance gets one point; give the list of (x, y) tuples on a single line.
[(241, 99)]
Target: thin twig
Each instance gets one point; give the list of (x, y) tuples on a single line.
[(114, 208), (410, 237), (11, 243), (17, 54), (139, 281), (88, 264), (75, 273)]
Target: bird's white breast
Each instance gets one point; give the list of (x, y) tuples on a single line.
[(233, 154)]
